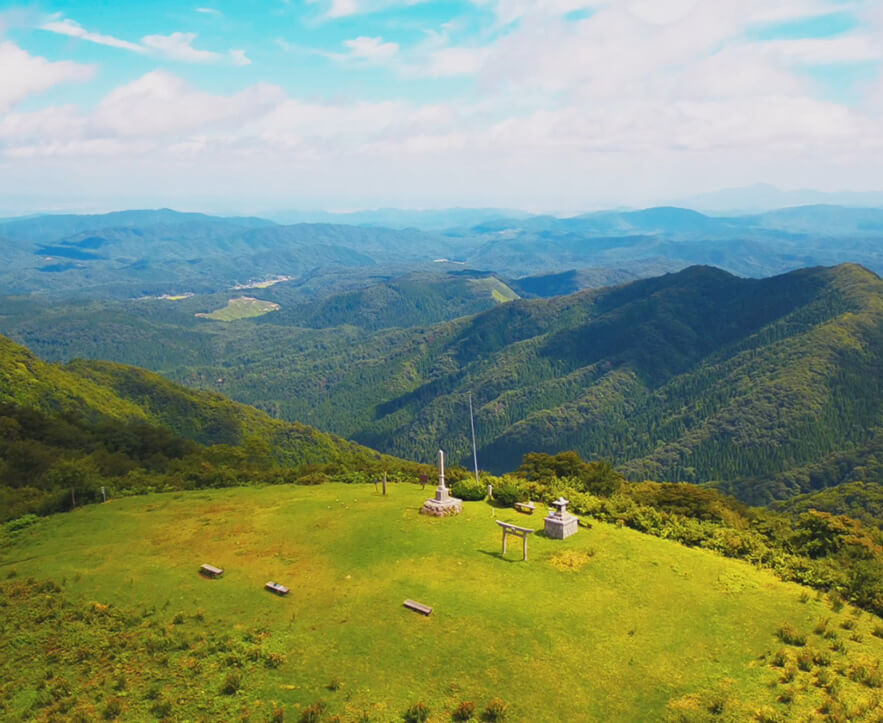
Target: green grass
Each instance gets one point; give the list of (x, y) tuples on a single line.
[(500, 292), (243, 307), (607, 625)]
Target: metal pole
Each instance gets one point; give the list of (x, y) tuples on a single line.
[(474, 451)]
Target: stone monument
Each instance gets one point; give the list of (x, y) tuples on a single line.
[(560, 524), (443, 504)]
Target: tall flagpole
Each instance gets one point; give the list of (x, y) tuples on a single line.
[(472, 425)]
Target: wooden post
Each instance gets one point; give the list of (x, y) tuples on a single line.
[(384, 483), (524, 550), (103, 493), (504, 540)]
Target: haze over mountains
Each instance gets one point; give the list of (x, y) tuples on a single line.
[(136, 253)]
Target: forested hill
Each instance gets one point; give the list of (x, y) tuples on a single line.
[(89, 424), (766, 387), (697, 376)]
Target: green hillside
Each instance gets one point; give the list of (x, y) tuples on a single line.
[(697, 376), (66, 432), (609, 625), (767, 388)]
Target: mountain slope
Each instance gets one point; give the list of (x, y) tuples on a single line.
[(696, 376), (107, 393)]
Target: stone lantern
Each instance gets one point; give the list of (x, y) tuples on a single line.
[(559, 523)]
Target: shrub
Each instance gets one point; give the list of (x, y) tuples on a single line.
[(790, 636), (277, 716), (313, 478), (112, 710), (161, 708), (470, 490), (779, 659), (417, 713), (232, 683), (717, 705), (312, 713), (508, 492), (465, 711), (821, 626), (495, 711), (804, 660), (836, 600), (334, 684), (273, 660)]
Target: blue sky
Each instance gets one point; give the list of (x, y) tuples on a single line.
[(559, 105)]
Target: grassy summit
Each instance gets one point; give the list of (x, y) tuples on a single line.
[(607, 625)]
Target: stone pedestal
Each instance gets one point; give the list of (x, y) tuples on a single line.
[(560, 524), (443, 504)]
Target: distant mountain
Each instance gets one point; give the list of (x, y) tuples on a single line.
[(164, 251), (764, 197), (757, 245), (140, 253), (397, 218), (49, 228)]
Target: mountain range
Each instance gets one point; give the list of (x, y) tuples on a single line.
[(764, 387), (139, 253)]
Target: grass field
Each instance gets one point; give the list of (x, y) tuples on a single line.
[(243, 307), (607, 625)]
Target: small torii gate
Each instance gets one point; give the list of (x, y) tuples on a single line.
[(521, 532)]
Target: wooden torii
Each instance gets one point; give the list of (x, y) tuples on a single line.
[(521, 532)]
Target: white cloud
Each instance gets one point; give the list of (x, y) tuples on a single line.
[(160, 104), (179, 46), (346, 8), (238, 57), (73, 29), (454, 61), (25, 74), (209, 11), (634, 99), (825, 51), (343, 8), (370, 49)]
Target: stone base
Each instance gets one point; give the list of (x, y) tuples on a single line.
[(436, 508), (559, 528)]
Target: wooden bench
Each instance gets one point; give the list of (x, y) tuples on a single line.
[(210, 571), (277, 588), (418, 607), (525, 507)]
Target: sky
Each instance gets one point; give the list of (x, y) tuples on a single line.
[(543, 105)]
